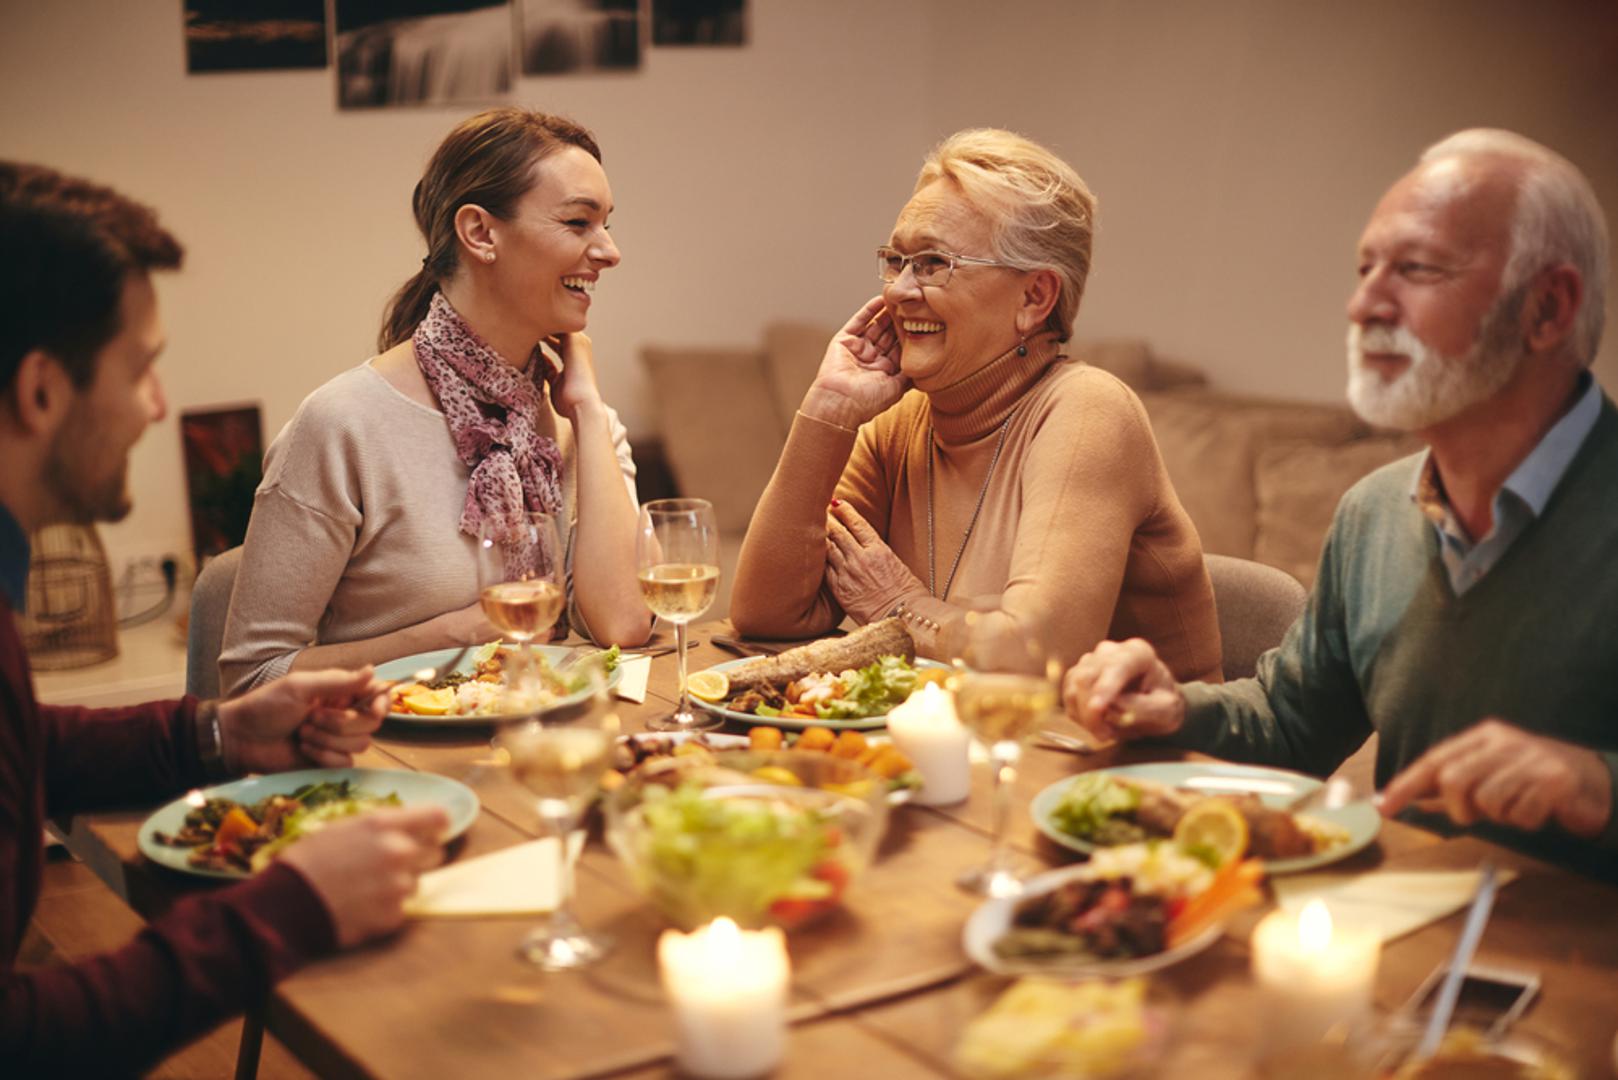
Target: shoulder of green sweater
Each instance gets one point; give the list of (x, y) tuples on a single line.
[(1375, 491)]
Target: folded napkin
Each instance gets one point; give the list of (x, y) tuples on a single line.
[(519, 880), (1394, 902), (637, 670)]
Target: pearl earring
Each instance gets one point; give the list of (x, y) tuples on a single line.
[(1022, 349), (488, 256)]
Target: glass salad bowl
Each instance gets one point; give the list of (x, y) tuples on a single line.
[(765, 838)]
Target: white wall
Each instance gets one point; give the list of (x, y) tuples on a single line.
[(751, 184), (1237, 147)]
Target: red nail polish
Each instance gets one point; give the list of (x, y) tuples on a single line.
[(836, 503)]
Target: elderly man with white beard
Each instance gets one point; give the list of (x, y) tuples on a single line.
[(1466, 608)]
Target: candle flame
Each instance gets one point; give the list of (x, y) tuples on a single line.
[(1314, 927)]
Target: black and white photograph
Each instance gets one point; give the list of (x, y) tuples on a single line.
[(562, 36), (699, 22), (422, 52), (254, 35)]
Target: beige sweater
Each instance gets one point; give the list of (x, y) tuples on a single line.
[(1081, 537), (354, 532)]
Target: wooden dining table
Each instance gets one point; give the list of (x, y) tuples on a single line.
[(881, 988)]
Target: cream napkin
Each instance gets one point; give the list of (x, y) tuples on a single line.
[(637, 670), (1395, 902), (519, 880)]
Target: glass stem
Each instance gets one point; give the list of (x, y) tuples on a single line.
[(1005, 776), (684, 715), (559, 823)]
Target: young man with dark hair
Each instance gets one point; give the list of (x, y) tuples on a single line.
[(79, 333)]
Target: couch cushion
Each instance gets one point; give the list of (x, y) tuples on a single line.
[(717, 417), (792, 353), (1298, 486), (1210, 442), (1130, 359)]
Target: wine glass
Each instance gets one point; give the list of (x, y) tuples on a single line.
[(677, 562), (560, 757), (1005, 684), (522, 589)]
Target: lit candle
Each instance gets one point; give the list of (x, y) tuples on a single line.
[(729, 989), (1318, 976), (927, 731)]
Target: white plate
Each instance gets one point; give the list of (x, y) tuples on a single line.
[(993, 918), (406, 667), (799, 723), (1276, 787), (413, 788)]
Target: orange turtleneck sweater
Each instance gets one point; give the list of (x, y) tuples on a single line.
[(1081, 537)]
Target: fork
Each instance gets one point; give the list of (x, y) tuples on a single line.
[(1061, 740), (426, 675)]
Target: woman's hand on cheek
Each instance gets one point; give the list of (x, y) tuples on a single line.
[(865, 576), (859, 376), (575, 388)]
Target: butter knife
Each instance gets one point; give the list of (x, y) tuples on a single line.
[(1450, 991)]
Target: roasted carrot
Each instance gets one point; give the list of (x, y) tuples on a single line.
[(1234, 887)]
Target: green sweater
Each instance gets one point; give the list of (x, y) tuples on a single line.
[(1385, 644)]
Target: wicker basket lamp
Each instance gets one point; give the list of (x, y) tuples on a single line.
[(71, 620)]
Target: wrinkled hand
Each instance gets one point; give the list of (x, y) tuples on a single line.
[(576, 387), (865, 576), (859, 376), (364, 868), (307, 718), (1498, 772), (1121, 690)]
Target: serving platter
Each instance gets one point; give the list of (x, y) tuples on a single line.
[(799, 723)]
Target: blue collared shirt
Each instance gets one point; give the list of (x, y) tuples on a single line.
[(1519, 501), (14, 556)]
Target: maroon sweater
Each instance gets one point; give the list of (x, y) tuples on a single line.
[(211, 955)]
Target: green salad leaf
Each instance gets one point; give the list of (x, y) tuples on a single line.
[(706, 857), (872, 690), (1091, 806)]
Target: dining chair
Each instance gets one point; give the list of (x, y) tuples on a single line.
[(1256, 604), (210, 601)]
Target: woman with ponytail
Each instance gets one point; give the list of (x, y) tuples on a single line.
[(361, 546)]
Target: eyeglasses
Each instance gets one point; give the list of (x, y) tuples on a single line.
[(929, 267)]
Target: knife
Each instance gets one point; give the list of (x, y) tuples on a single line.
[(1450, 991)]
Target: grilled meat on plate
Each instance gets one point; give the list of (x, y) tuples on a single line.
[(859, 649)]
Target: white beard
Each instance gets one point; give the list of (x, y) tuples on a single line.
[(1432, 388)]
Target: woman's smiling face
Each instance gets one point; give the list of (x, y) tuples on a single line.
[(947, 332), (556, 244)]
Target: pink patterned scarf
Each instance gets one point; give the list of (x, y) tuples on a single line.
[(490, 407)]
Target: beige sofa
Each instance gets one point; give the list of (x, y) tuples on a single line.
[(1259, 477)]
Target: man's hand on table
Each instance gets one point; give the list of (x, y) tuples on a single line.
[(1498, 772), (306, 719), (365, 868), (1121, 690), (865, 576)]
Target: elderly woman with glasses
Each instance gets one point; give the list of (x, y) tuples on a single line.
[(949, 457)]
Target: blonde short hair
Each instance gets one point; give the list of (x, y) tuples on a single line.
[(1042, 211), (1557, 219)]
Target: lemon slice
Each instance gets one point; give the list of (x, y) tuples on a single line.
[(1213, 825), (425, 702), (709, 686)]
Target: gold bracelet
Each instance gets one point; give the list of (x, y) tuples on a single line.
[(828, 423), (902, 612)]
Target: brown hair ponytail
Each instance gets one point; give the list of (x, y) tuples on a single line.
[(487, 160)]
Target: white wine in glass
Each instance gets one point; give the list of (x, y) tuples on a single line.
[(521, 588), (561, 759), (1005, 686), (677, 564)]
